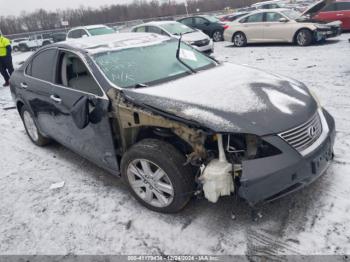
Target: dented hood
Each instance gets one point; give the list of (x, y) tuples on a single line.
[(232, 98)]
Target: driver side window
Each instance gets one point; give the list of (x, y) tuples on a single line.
[(72, 73)]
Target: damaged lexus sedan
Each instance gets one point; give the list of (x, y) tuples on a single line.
[(173, 122)]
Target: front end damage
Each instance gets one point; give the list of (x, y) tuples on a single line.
[(256, 168)]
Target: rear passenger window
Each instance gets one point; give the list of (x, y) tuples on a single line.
[(42, 65), (330, 7), (253, 18), (187, 21), (73, 73), (340, 6), (153, 29), (140, 29)]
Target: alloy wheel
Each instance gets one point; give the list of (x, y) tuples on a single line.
[(30, 126), (217, 36), (238, 40), (150, 183), (301, 38)]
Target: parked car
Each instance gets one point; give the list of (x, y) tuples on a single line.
[(210, 25), (267, 5), (172, 121), (232, 17), (323, 11), (87, 31), (34, 42), (15, 43), (194, 37), (278, 25)]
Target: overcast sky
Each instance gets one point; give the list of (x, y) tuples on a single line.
[(14, 7)]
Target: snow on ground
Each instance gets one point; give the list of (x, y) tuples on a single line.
[(94, 214)]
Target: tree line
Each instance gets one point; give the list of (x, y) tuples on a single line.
[(138, 9)]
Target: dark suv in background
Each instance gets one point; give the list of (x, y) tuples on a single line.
[(210, 25)]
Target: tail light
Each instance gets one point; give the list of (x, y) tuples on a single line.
[(226, 26)]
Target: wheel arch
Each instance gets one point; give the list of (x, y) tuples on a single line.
[(236, 32), (302, 28)]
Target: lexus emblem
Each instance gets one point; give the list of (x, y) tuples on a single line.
[(312, 131)]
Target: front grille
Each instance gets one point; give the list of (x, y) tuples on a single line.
[(305, 135), (201, 43)]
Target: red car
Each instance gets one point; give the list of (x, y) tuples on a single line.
[(331, 11)]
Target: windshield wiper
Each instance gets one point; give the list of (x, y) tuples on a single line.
[(179, 59), (140, 85)]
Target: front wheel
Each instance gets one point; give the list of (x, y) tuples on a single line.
[(304, 37), (155, 173), (32, 129), (239, 39), (217, 36)]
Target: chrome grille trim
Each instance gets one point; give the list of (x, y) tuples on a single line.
[(304, 135)]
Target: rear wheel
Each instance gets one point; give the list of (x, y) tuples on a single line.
[(155, 174), (32, 129), (217, 36), (239, 39), (304, 37)]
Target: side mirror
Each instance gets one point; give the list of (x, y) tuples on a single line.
[(283, 20)]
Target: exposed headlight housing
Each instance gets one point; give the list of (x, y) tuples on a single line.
[(313, 94)]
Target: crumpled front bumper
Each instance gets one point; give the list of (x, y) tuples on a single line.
[(324, 34), (269, 178)]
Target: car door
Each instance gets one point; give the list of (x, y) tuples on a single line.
[(343, 14), (252, 27), (274, 30), (74, 88), (203, 25), (36, 88)]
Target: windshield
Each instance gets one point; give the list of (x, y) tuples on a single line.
[(291, 14), (149, 65), (101, 31), (177, 28)]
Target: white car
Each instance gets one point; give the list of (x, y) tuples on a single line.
[(278, 25), (91, 30), (195, 38), (15, 43), (34, 42)]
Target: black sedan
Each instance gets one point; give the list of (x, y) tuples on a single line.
[(210, 25), (171, 121)]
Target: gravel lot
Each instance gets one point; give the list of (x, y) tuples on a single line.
[(94, 214)]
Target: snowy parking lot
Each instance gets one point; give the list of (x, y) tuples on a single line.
[(93, 213)]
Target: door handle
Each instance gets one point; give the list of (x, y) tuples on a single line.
[(56, 99), (24, 85)]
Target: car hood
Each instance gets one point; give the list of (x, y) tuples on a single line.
[(195, 36), (232, 98), (315, 8)]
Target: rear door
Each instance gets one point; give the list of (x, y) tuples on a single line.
[(253, 27), (74, 84), (36, 87), (343, 14), (274, 30)]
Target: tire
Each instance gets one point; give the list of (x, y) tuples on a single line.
[(303, 37), (239, 39), (32, 129), (217, 36), (163, 159)]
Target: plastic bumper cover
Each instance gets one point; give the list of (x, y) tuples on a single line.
[(269, 178)]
